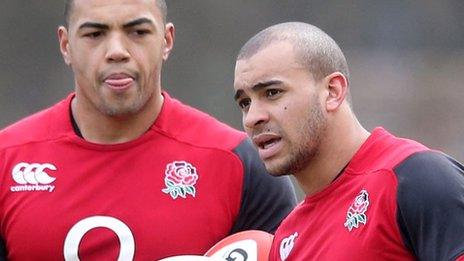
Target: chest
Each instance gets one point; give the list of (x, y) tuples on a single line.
[(147, 203), (356, 221)]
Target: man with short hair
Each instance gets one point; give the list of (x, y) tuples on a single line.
[(119, 170), (369, 196)]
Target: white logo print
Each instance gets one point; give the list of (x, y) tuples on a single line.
[(32, 177), (77, 232), (286, 246)]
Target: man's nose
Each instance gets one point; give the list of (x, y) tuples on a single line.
[(117, 50), (255, 116)]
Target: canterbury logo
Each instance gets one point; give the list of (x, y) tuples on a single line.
[(287, 245), (32, 177)]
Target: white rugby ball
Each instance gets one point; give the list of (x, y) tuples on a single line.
[(250, 245), (189, 258)]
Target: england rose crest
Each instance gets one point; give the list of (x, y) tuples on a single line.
[(356, 212), (180, 179)]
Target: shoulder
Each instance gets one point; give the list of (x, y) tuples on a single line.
[(34, 128), (429, 178), (431, 204), (383, 151), (430, 174), (190, 125)]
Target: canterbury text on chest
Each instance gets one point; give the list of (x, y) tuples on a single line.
[(32, 177)]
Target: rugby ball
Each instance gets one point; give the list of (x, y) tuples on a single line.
[(250, 245), (189, 258)]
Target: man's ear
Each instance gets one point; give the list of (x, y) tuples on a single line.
[(169, 36), (337, 90), (63, 39)]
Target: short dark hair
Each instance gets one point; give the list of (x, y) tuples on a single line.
[(314, 48), (68, 4)]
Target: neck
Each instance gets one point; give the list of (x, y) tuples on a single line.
[(100, 128), (342, 139)]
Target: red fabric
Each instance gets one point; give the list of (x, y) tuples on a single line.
[(123, 183), (317, 229)]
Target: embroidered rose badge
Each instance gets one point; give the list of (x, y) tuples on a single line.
[(180, 179), (356, 212)]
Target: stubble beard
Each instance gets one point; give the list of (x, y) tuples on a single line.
[(120, 106), (306, 147), (124, 104)]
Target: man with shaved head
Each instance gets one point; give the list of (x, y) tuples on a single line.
[(369, 195), (119, 170)]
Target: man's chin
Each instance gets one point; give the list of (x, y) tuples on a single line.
[(120, 110), (276, 169)]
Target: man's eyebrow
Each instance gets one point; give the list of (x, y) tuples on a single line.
[(136, 22), (257, 87), (94, 25), (237, 94)]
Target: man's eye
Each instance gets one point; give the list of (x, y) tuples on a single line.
[(243, 103), (272, 92), (140, 32), (94, 34)]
